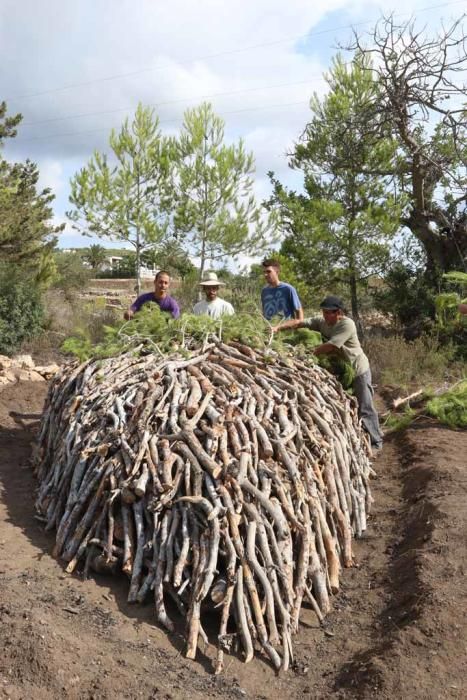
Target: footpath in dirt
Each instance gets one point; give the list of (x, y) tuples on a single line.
[(398, 628)]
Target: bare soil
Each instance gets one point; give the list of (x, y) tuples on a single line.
[(398, 628)]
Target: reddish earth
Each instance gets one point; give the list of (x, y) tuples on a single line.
[(398, 627)]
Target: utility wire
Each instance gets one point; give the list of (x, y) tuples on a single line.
[(179, 101), (220, 53), (19, 140)]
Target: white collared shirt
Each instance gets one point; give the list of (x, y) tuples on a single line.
[(215, 309)]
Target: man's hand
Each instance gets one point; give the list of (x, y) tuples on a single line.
[(287, 325), (128, 315)]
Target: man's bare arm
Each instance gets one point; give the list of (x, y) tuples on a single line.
[(325, 349), (298, 313), (289, 325)]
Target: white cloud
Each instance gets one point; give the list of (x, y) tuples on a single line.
[(56, 55), (51, 175)]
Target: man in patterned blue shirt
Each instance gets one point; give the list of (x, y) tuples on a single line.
[(279, 298)]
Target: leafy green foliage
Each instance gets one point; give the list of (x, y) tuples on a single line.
[(302, 336), (152, 330), (339, 230), (456, 277), (80, 346), (170, 256), (446, 307), (450, 324), (400, 421), (130, 201), (157, 331), (7, 124), (70, 271), (125, 268), (340, 367), (21, 312), (26, 234), (216, 213), (407, 296), (95, 256), (451, 407)]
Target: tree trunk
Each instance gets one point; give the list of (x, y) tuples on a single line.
[(354, 304), (445, 249), (138, 262)]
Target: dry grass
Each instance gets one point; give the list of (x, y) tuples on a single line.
[(424, 361), (68, 315)]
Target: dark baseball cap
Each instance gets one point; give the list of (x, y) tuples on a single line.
[(332, 303)]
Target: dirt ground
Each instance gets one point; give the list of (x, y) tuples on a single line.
[(398, 627)]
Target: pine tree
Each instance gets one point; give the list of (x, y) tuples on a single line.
[(216, 215), (340, 227), (131, 200)]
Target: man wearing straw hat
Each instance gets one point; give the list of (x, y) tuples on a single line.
[(212, 306)]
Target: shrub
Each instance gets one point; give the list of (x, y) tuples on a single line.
[(71, 273), (21, 311), (396, 361), (450, 407), (407, 295)]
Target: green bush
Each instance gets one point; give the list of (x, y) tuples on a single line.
[(408, 297), (424, 361), (21, 311), (451, 326), (451, 407), (71, 274)]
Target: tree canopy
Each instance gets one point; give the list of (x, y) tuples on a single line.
[(27, 234), (339, 228), (216, 213), (422, 86), (130, 198), (95, 256)]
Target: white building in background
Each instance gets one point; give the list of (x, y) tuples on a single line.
[(112, 262), (148, 272)]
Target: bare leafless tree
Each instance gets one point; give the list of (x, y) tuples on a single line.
[(424, 85)]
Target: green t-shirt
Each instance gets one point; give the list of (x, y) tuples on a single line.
[(344, 336)]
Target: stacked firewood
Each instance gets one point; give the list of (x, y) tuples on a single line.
[(231, 480)]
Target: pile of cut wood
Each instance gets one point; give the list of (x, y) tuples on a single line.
[(230, 482)]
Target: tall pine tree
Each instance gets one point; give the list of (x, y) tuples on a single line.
[(216, 215), (130, 198), (339, 228)]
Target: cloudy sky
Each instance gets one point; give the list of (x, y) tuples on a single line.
[(75, 70)]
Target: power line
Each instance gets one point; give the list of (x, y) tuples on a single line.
[(220, 53), (163, 121), (179, 101)]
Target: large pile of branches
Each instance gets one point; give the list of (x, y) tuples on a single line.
[(215, 476)]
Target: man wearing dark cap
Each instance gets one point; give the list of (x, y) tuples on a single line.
[(340, 336)]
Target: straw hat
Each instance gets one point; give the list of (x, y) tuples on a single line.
[(210, 280)]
